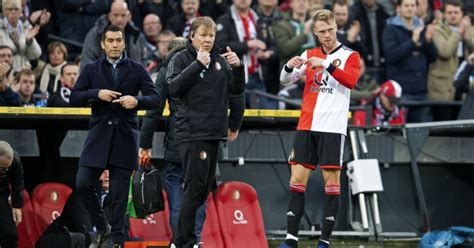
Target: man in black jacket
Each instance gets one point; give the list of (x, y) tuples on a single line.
[(174, 170), (11, 176), (200, 81)]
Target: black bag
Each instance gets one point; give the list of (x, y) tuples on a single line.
[(147, 191), (57, 236)]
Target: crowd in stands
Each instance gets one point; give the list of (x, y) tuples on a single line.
[(423, 45)]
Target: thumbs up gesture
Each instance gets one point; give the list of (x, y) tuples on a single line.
[(204, 57), (231, 58)]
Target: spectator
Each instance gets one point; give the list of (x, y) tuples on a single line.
[(372, 17), (164, 39), (452, 48), (293, 32), (181, 22), (7, 96), (314, 6), (347, 33), (424, 12), (163, 8), (385, 109), (464, 82), (11, 185), (119, 16), (69, 74), (268, 14), (409, 49), (19, 35), (57, 57), (76, 18), (238, 30), (152, 27), (26, 81)]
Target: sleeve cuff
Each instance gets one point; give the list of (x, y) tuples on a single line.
[(328, 66), (288, 69)]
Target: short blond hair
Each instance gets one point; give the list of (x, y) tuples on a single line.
[(205, 21), (324, 15), (14, 3)]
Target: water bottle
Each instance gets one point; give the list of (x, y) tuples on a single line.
[(42, 100)]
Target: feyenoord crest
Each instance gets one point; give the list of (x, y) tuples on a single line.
[(202, 155), (321, 78), (65, 93), (336, 62)]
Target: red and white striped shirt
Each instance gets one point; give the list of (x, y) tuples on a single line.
[(326, 94)]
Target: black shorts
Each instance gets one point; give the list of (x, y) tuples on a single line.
[(312, 148)]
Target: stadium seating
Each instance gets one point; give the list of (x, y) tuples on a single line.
[(211, 233), (26, 230), (240, 216), (155, 227), (48, 200)]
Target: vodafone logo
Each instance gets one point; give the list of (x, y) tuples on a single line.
[(239, 218)]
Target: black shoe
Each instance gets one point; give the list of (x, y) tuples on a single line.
[(101, 236), (109, 243)]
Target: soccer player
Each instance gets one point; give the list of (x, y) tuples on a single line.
[(331, 71)]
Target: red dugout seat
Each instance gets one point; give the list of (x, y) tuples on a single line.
[(48, 200), (240, 216), (211, 233), (156, 227), (26, 230)]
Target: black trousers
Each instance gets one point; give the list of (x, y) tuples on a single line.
[(8, 235), (199, 160), (86, 186)]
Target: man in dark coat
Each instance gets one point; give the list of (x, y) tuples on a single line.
[(11, 183), (200, 81), (111, 85)]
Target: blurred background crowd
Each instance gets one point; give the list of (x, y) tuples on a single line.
[(417, 55)]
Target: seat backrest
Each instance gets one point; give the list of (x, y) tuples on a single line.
[(211, 233), (155, 227), (48, 200), (26, 230), (240, 216)]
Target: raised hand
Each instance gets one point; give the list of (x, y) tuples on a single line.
[(232, 134), (203, 57), (4, 69), (108, 95), (256, 43), (231, 58), (416, 34), (31, 33)]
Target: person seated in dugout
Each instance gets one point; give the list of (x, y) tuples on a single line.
[(385, 106)]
